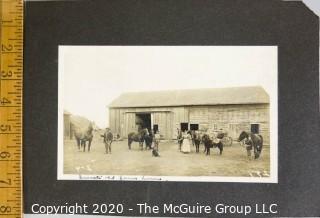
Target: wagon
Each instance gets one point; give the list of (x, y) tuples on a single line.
[(223, 137)]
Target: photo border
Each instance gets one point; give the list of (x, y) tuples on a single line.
[(273, 133)]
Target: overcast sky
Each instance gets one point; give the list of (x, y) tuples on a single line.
[(90, 77)]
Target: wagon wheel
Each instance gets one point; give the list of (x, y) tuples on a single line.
[(227, 141)]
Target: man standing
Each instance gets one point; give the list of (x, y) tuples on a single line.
[(107, 139), (157, 140), (155, 150)]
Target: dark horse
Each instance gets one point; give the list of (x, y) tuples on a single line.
[(137, 137), (148, 138), (82, 136), (209, 143), (196, 138), (252, 140)]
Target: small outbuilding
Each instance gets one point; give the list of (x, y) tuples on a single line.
[(67, 127)]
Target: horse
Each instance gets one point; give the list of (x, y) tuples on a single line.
[(82, 136), (193, 135), (137, 137), (251, 140), (209, 143), (196, 139), (107, 139), (148, 138)]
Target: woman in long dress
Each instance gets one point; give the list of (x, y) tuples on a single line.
[(186, 145)]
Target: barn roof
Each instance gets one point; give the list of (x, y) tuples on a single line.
[(189, 97), (65, 112)]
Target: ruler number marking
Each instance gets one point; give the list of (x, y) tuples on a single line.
[(7, 181), (5, 128), (5, 74), (5, 154), (5, 48), (4, 101), (5, 209)]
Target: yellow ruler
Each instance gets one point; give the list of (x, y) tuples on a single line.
[(11, 68)]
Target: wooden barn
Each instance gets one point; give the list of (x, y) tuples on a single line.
[(230, 109)]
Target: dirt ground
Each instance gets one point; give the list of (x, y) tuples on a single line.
[(122, 161)]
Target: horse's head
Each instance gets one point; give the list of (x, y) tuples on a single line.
[(142, 133), (205, 137), (242, 136), (197, 136)]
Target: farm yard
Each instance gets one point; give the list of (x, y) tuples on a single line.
[(122, 161), (228, 111)]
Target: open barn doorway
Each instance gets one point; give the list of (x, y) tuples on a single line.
[(155, 128), (255, 128), (184, 126), (143, 120), (194, 126)]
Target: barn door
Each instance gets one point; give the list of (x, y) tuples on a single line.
[(194, 126), (184, 126), (130, 123), (163, 122)]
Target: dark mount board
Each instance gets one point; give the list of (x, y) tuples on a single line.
[(289, 25)]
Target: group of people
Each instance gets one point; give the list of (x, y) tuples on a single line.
[(155, 138), (187, 138), (108, 139), (152, 140), (184, 141)]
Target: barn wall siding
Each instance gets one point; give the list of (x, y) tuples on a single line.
[(180, 115), (162, 119), (237, 118), (230, 118)]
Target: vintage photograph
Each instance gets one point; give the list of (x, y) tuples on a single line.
[(168, 113)]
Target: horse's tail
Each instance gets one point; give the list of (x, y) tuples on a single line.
[(261, 139), (259, 148)]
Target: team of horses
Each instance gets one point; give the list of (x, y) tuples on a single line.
[(252, 142)]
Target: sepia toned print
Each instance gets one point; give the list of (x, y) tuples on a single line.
[(161, 132)]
